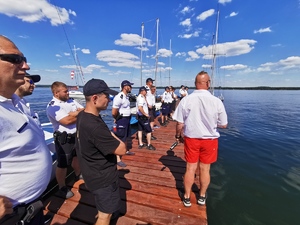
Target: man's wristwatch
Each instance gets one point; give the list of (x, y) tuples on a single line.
[(177, 137)]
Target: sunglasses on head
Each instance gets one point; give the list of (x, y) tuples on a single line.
[(13, 58)]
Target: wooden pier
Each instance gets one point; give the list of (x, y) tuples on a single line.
[(149, 190)]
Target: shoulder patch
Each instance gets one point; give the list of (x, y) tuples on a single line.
[(51, 103), (121, 96)]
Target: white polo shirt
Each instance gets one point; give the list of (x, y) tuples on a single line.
[(167, 97), (57, 109), (201, 112), (140, 101), (24, 156), (121, 102)]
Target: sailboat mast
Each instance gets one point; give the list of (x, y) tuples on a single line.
[(156, 55), (214, 47), (142, 37), (170, 64)]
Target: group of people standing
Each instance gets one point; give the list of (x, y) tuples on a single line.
[(84, 141)]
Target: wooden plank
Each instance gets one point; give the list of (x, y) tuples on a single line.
[(149, 188)]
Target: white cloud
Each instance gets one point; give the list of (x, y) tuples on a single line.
[(192, 56), (203, 16), (277, 45), (291, 63), (58, 55), (263, 30), (224, 1), (117, 58), (180, 54), (228, 49), (187, 36), (186, 9), (232, 14), (33, 11), (234, 67), (85, 51), (164, 53), (67, 54), (132, 40), (186, 23)]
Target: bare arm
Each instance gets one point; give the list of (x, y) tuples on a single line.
[(121, 149), (71, 118), (142, 111), (222, 126), (115, 112), (6, 207)]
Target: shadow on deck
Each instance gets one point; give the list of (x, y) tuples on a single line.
[(149, 190)]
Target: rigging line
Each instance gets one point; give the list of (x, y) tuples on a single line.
[(63, 27)]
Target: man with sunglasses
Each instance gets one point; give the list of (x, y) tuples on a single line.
[(25, 160), (62, 112), (24, 90)]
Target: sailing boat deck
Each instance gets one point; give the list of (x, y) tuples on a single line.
[(149, 190)]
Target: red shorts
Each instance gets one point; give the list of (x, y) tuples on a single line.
[(203, 150)]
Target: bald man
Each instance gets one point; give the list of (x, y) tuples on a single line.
[(198, 115)]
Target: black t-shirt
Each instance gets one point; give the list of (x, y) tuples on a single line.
[(95, 147)]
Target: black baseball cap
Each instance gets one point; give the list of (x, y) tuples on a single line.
[(36, 78), (126, 83), (149, 79), (97, 86), (142, 89)]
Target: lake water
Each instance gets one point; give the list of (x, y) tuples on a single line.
[(256, 179)]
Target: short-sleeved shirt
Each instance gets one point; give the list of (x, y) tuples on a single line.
[(95, 147), (121, 102), (201, 113), (24, 106), (167, 97), (57, 109), (150, 99), (182, 92), (25, 158), (140, 101)]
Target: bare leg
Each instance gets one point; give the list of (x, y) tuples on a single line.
[(148, 135), (103, 218), (189, 178), (61, 174), (204, 178), (75, 166), (140, 135), (118, 158)]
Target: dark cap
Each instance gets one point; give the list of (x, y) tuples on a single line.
[(142, 89), (36, 78), (126, 83), (167, 87), (181, 86), (149, 79), (97, 86)]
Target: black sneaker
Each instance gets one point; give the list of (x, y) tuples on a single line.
[(202, 200), (121, 164), (129, 153), (151, 147), (142, 146), (153, 138), (186, 201), (79, 177), (47, 218), (65, 192)]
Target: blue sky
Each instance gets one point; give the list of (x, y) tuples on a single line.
[(258, 41)]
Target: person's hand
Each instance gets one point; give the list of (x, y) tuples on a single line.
[(6, 207)]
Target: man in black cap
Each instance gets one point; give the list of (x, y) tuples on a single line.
[(24, 90), (166, 106), (182, 92), (143, 119), (97, 147), (122, 114)]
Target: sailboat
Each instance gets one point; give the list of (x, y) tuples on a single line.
[(214, 57)]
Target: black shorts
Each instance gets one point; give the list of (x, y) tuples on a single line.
[(144, 125), (108, 199), (165, 109), (65, 154), (123, 128)]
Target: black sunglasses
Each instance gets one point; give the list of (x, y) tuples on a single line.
[(13, 58)]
